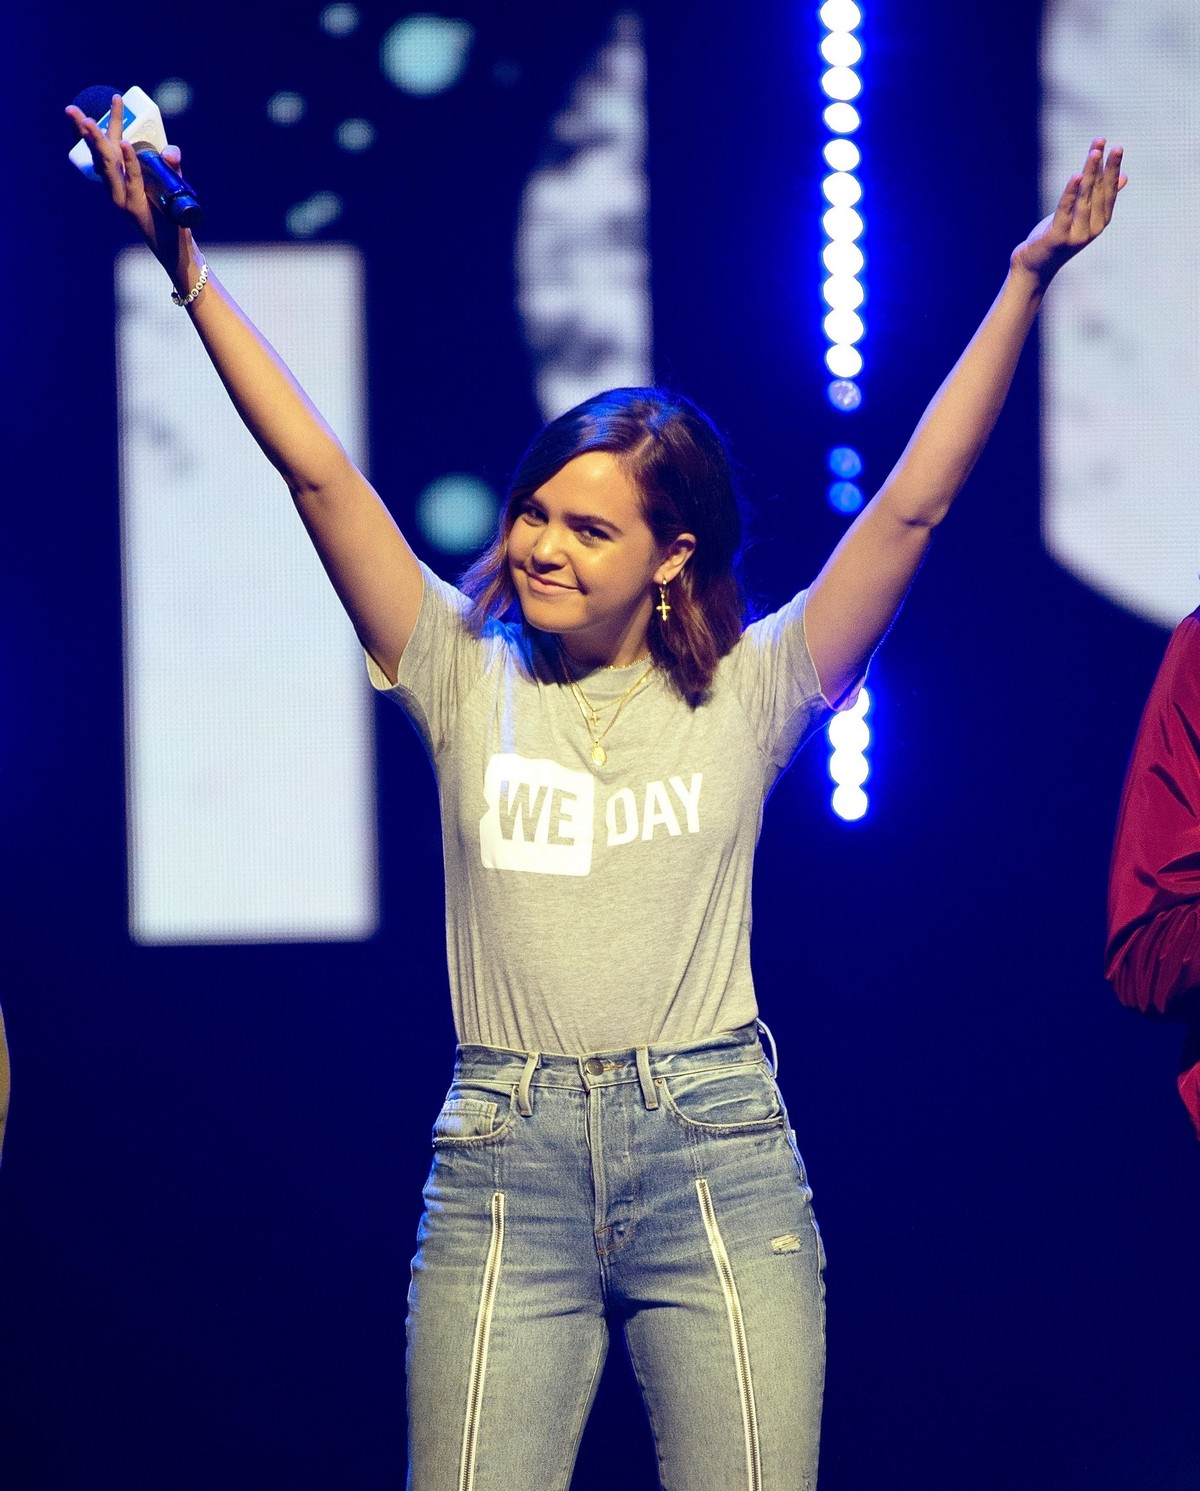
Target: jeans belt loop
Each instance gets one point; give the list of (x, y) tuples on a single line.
[(524, 1106), (766, 1030), (649, 1094)]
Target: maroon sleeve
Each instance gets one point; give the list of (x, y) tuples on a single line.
[(1153, 954)]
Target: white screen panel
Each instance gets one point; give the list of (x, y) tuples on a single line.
[(1121, 327), (250, 753)]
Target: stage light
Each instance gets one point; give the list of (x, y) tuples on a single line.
[(844, 497), (840, 49), (844, 362), (843, 292), (849, 767), (843, 392), (307, 218), (841, 189), (356, 135), (457, 513), (842, 84), (840, 15), (842, 224), (842, 118), (842, 155), (286, 108), (173, 97), (339, 20), (426, 54), (843, 257), (845, 461), (844, 327)]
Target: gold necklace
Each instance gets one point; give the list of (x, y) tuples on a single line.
[(591, 713)]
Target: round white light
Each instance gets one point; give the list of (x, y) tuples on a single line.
[(840, 49), (847, 732), (842, 293), (307, 218), (356, 135), (844, 362), (844, 326), (842, 119), (842, 224), (861, 704), (425, 54), (842, 83), (840, 15), (849, 768), (842, 155), (457, 512), (339, 20), (842, 189), (850, 803), (843, 258), (173, 96), (286, 108)]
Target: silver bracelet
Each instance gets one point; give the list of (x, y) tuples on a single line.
[(183, 300)]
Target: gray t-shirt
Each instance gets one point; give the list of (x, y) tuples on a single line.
[(588, 907)]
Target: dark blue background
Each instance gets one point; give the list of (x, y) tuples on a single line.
[(215, 1154)]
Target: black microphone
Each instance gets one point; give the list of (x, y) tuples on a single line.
[(142, 126)]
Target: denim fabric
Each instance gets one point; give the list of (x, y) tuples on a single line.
[(656, 1192)]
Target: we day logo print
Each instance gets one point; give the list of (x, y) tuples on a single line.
[(540, 815)]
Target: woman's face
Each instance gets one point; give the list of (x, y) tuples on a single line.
[(584, 563)]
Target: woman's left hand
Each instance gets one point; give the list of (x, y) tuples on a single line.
[(1084, 210)]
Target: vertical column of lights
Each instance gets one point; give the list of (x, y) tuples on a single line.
[(844, 293)]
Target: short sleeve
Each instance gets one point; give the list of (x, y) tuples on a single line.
[(441, 663), (774, 676)]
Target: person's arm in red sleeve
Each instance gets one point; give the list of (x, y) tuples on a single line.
[(1153, 954)]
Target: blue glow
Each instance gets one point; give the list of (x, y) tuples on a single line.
[(844, 394), (426, 54), (457, 513), (845, 497), (845, 461)]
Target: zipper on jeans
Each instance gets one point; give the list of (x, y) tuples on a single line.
[(737, 1332), (479, 1349)]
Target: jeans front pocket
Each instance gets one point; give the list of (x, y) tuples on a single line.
[(724, 1100), (473, 1117)]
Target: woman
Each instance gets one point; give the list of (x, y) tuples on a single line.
[(613, 1150)]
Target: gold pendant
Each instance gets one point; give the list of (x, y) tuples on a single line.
[(599, 754)]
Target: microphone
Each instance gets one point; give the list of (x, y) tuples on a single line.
[(142, 126)]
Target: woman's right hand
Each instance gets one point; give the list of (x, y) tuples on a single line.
[(118, 167)]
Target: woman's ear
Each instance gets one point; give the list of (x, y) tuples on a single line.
[(678, 552)]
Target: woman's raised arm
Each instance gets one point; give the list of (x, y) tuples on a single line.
[(858, 592), (367, 558)]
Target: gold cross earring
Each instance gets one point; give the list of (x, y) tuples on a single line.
[(663, 608)]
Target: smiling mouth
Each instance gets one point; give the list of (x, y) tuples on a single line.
[(539, 584)]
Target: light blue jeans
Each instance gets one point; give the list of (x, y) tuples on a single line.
[(658, 1191)]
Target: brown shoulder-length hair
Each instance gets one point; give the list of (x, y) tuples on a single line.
[(679, 463)]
